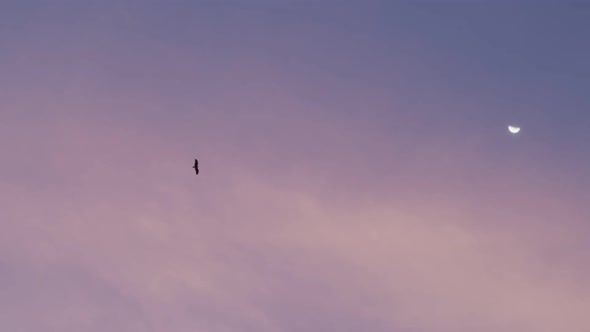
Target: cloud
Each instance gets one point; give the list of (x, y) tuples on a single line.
[(260, 255)]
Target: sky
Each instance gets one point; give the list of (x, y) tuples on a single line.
[(356, 171)]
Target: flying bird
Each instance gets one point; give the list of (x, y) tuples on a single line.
[(196, 167)]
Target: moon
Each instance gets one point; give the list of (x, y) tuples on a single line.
[(513, 129)]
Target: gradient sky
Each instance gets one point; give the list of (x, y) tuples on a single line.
[(356, 169)]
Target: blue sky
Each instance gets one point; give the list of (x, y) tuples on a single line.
[(356, 169)]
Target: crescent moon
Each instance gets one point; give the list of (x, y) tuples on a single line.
[(513, 129)]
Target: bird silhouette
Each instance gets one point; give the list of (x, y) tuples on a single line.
[(196, 167)]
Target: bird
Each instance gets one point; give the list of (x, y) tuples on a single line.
[(196, 167)]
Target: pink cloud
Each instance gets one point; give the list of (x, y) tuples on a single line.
[(217, 253)]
